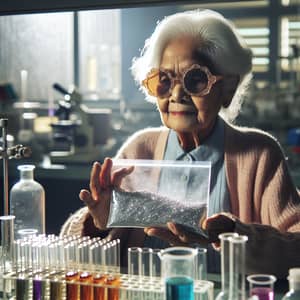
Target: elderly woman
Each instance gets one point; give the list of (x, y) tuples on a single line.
[(195, 68)]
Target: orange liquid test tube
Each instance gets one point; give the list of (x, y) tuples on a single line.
[(86, 289), (73, 292), (113, 292), (99, 291)]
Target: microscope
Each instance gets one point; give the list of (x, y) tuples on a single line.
[(79, 132)]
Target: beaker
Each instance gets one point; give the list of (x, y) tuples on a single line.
[(262, 286), (178, 270)]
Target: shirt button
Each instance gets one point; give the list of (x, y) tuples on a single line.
[(184, 177)]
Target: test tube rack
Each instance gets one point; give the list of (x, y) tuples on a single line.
[(84, 286), (59, 268)]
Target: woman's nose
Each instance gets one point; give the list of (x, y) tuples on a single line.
[(177, 93)]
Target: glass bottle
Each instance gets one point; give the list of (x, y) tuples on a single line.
[(27, 202), (294, 285)]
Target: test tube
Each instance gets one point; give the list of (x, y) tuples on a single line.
[(105, 256), (225, 267), (237, 252), (7, 257), (22, 287), (201, 264), (146, 259), (7, 242), (118, 252), (56, 289), (146, 270), (39, 288), (156, 263), (39, 284), (99, 291), (114, 252), (72, 286), (83, 250), (86, 287), (134, 268), (113, 290), (134, 260)]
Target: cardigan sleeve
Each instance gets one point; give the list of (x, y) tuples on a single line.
[(265, 201), (279, 200), (268, 250)]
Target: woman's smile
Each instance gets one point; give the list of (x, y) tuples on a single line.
[(181, 113)]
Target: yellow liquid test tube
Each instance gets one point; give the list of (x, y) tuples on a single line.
[(113, 292), (72, 288), (99, 291), (86, 288)]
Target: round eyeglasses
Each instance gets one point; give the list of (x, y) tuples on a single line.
[(196, 81)]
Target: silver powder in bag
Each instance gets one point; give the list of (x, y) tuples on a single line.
[(146, 209)]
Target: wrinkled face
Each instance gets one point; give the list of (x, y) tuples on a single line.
[(180, 111)]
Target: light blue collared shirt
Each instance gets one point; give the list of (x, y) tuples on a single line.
[(212, 149)]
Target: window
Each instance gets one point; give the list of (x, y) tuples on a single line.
[(290, 43), (256, 34), (40, 47), (100, 54), (38, 50)]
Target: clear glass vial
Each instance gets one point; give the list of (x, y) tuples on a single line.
[(294, 283), (225, 267), (27, 202)]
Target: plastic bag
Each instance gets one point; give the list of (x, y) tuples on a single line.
[(157, 192)]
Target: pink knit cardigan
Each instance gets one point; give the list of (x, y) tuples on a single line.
[(263, 197)]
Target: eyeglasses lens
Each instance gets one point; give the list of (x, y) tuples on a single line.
[(195, 81), (159, 83)]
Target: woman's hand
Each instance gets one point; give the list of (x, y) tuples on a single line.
[(217, 224), (102, 182), (176, 235)]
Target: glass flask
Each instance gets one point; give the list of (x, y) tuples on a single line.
[(27, 202), (178, 270), (294, 285)]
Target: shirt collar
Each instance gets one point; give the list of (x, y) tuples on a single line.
[(211, 149)]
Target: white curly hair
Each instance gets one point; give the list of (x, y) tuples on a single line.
[(220, 44)]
